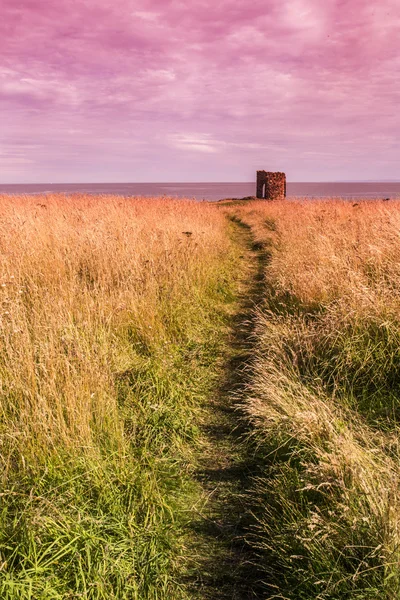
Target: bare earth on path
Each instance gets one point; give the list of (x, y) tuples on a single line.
[(223, 564)]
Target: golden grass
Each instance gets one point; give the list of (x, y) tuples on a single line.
[(328, 249), (325, 398), (110, 316), (76, 274)]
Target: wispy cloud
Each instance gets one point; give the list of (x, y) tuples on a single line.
[(196, 143)]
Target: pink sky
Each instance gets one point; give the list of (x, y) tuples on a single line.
[(199, 90)]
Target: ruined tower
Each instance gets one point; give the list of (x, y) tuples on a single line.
[(271, 186)]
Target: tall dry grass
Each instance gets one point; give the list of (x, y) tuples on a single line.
[(324, 399), (111, 312)]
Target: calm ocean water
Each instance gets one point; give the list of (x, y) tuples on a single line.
[(211, 191)]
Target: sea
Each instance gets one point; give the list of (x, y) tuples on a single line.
[(212, 191)]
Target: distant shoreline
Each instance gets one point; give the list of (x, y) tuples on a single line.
[(212, 191)]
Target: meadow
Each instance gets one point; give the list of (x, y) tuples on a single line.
[(112, 315), (324, 398), (118, 320)]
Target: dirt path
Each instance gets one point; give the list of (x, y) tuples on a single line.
[(224, 565)]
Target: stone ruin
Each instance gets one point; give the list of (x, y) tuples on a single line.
[(271, 186)]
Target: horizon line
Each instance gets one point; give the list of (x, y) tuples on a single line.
[(198, 182)]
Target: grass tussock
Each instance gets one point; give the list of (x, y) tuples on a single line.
[(112, 315), (324, 399)]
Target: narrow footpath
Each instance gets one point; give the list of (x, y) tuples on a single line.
[(224, 566)]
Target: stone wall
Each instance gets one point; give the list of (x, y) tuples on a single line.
[(271, 186)]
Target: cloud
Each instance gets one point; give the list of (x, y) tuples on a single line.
[(195, 142), (102, 89)]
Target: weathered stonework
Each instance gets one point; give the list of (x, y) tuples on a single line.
[(271, 186)]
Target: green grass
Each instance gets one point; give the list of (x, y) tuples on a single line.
[(111, 527), (323, 521)]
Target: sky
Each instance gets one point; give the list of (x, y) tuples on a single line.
[(199, 90)]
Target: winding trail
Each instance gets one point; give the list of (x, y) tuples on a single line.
[(224, 565)]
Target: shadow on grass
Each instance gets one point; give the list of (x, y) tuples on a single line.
[(226, 566)]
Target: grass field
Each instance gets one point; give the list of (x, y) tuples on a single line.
[(324, 399), (112, 317), (121, 322)]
